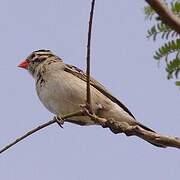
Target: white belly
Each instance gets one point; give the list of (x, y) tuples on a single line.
[(62, 96), (63, 93)]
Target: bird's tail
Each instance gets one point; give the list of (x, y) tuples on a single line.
[(148, 129)]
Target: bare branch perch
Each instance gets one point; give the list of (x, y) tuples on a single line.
[(166, 15), (88, 103), (123, 127), (115, 126), (79, 113), (152, 137)]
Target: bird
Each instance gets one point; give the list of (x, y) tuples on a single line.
[(62, 90)]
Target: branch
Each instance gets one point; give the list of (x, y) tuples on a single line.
[(115, 126), (88, 103), (166, 15), (123, 127), (78, 113), (155, 138)]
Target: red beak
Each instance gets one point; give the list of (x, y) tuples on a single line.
[(24, 64)]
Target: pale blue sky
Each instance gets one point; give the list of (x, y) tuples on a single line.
[(121, 60)]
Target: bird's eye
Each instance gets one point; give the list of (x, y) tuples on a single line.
[(39, 59), (32, 56), (36, 59)]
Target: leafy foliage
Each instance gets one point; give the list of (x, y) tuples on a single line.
[(149, 12), (172, 46), (173, 67), (170, 50), (163, 30)]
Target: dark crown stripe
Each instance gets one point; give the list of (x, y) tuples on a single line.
[(43, 50)]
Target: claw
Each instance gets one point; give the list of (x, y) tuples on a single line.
[(83, 106), (59, 120)]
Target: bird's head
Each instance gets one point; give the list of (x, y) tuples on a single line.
[(34, 59)]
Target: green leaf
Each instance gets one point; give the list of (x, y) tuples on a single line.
[(172, 46), (170, 49), (177, 83), (173, 68)]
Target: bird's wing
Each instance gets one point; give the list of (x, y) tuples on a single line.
[(81, 75)]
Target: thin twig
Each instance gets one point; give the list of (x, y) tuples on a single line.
[(78, 113), (166, 15), (88, 103)]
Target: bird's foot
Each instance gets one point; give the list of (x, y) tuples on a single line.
[(98, 108), (94, 116), (83, 106), (59, 120)]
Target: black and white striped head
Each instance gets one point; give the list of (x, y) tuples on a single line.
[(36, 58)]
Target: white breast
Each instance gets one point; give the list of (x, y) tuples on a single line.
[(61, 93)]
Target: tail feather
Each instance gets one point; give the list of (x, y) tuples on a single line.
[(148, 129)]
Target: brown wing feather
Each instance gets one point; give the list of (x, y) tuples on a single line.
[(80, 74)]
